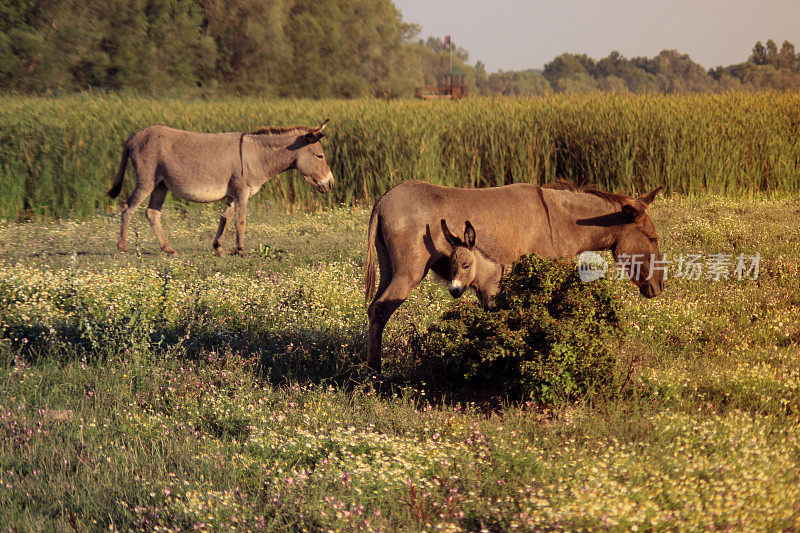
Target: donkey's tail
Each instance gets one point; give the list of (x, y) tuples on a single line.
[(117, 185), (369, 281)]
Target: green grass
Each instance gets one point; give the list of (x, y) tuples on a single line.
[(59, 155), (146, 391)]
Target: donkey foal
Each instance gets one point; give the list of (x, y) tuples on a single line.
[(470, 269)]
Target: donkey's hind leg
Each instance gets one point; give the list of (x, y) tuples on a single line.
[(154, 216), (134, 200), (385, 264), (384, 305), (226, 216)]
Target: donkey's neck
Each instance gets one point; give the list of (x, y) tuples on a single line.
[(583, 222), (272, 154), (488, 272)]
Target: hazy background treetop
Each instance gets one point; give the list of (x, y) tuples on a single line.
[(326, 48)]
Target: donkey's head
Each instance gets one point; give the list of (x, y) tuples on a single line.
[(468, 267), (637, 245), (310, 159)]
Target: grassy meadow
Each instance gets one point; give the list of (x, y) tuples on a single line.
[(146, 392), (59, 155)]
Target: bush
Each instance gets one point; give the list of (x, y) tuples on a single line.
[(549, 340)]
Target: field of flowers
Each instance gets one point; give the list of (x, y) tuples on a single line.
[(146, 392)]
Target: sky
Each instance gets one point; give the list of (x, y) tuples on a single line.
[(522, 34)]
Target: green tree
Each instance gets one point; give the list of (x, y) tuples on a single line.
[(787, 57), (571, 73), (519, 83), (615, 67), (772, 52), (568, 65), (348, 49), (676, 72), (759, 55), (249, 42)]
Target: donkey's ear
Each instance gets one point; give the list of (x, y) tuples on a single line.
[(469, 235), (318, 130), (633, 210), (648, 198), (449, 237), (315, 134), (312, 136)]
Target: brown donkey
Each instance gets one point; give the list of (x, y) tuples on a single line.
[(406, 232), (206, 167)]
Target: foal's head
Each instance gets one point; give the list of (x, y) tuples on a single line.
[(468, 267)]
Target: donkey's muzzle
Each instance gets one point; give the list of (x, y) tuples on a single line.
[(325, 185), (650, 290), (457, 292)]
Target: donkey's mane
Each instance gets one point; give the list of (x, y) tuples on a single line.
[(273, 130), (589, 188)]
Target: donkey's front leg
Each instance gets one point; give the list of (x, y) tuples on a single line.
[(241, 215), (227, 214)]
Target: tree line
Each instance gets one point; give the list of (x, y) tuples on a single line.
[(272, 47), (325, 48), (767, 68)]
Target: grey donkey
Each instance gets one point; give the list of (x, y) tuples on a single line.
[(206, 167)]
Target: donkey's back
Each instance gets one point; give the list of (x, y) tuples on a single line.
[(193, 165)]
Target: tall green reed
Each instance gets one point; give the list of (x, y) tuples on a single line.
[(58, 155)]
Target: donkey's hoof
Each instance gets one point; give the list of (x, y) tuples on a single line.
[(240, 252), (170, 250), (122, 248)]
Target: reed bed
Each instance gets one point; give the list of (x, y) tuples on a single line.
[(58, 155)]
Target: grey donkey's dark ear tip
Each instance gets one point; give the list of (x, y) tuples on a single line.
[(314, 136), (316, 133)]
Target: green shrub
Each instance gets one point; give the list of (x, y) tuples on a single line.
[(550, 339)]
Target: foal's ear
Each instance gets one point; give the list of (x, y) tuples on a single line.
[(469, 235), (648, 198), (449, 237)]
